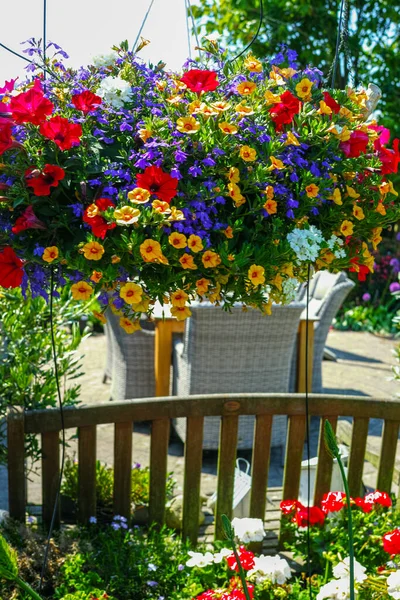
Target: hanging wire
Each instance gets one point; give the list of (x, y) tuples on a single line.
[(195, 31), (142, 25), (309, 573), (15, 53), (338, 44), (188, 29), (44, 35), (256, 34)]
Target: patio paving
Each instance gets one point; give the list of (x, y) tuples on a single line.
[(363, 368)]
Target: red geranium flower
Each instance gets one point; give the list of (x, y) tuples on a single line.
[(356, 145), (11, 271), (31, 106), (238, 594), (391, 542), (42, 181), (390, 158), (365, 506), (331, 102), (86, 101), (290, 506), (6, 140), (246, 558), (28, 220), (312, 515), (199, 80), (64, 133), (333, 502), (159, 183), (378, 497), (283, 112)]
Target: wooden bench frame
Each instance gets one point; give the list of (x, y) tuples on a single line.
[(159, 411)]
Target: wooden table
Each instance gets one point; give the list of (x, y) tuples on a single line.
[(167, 325)]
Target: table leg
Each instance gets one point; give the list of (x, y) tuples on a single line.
[(162, 356), (301, 355)]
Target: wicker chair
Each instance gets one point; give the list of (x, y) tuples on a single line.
[(327, 293), (131, 359), (235, 352)]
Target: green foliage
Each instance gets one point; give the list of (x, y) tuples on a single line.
[(375, 319), (8, 561), (26, 361), (310, 28)]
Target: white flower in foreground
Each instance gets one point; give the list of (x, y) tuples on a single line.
[(306, 243), (274, 568), (289, 288), (248, 530), (393, 583), (342, 569), (115, 91), (219, 556), (199, 560), (105, 60), (336, 589)]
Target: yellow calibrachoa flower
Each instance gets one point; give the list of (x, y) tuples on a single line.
[(325, 258), (210, 259), (336, 196), (202, 286), (96, 276), (126, 215), (195, 243), (50, 253), (131, 293), (93, 251), (99, 316), (234, 191), (312, 190), (129, 326), (346, 228), (352, 192), (277, 281), (324, 109), (239, 201), (187, 125), (256, 275), (252, 64), (179, 298), (276, 76), (142, 306), (92, 211), (161, 207), (206, 111), (276, 164), (81, 290), (291, 139), (150, 250), (303, 88), (272, 98), (181, 312), (288, 72), (194, 106), (358, 212), (139, 195), (248, 154), (187, 262), (287, 269), (145, 134), (243, 109), (345, 112), (376, 237), (381, 209), (214, 295), (221, 105), (386, 188), (245, 88), (228, 232), (176, 215), (115, 259), (344, 134), (233, 175), (227, 128), (178, 240), (271, 206), (269, 192)]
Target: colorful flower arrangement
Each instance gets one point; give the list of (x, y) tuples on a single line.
[(225, 182)]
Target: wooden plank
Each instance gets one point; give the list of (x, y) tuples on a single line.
[(86, 473), (293, 458), (50, 477), (158, 469), (226, 471), (122, 468), (192, 477), (260, 466), (325, 462), (162, 356), (357, 455), (305, 355), (16, 463), (388, 456)]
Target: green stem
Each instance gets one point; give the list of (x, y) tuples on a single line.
[(241, 570), (27, 588), (349, 526), (326, 574)]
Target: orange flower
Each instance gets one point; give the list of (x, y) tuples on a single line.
[(145, 134), (234, 175), (187, 125), (248, 154), (195, 243), (376, 237), (221, 105), (252, 64), (243, 109), (50, 253), (227, 128), (129, 326), (346, 228), (271, 206), (161, 207), (245, 88), (269, 192), (99, 316), (358, 212), (187, 262), (131, 293), (93, 251), (381, 209), (177, 240), (96, 276), (228, 232), (150, 250), (92, 211), (336, 196), (312, 190), (275, 164), (179, 298), (256, 275), (181, 312), (81, 290), (234, 191), (202, 286), (139, 195), (210, 259)]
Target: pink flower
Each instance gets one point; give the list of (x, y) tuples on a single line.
[(8, 86), (28, 220)]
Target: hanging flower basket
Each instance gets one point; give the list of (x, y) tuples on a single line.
[(224, 182)]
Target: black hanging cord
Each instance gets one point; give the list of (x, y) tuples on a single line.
[(61, 406), (15, 53), (255, 35), (309, 573), (338, 44), (44, 35)]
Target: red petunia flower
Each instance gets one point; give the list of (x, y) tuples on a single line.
[(384, 135), (86, 101), (159, 183), (199, 80), (28, 220), (11, 272), (8, 86), (31, 106), (246, 558), (42, 181), (332, 502), (356, 145), (391, 542), (283, 112), (6, 140), (64, 133), (98, 223), (390, 158), (361, 270), (290, 506), (312, 515), (331, 102)]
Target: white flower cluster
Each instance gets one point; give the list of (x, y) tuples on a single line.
[(335, 244), (339, 588), (273, 568), (197, 559), (393, 583), (248, 530), (289, 289), (105, 60), (306, 243), (115, 91)]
